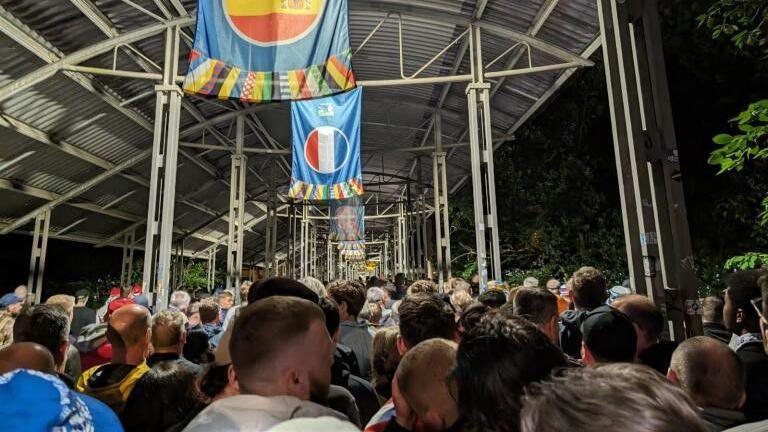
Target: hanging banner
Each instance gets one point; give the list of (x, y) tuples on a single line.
[(270, 50), (347, 223), (326, 148)]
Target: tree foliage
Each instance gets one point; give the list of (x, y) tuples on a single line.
[(743, 22)]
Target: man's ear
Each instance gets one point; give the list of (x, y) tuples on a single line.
[(401, 348), (739, 315), (296, 381), (586, 355), (232, 378), (672, 376)]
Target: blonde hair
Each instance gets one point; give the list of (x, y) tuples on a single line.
[(65, 301)]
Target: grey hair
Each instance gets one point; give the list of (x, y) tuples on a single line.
[(315, 285), (180, 300)]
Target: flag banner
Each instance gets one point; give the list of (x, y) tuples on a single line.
[(326, 148), (270, 50), (347, 222), (351, 245)]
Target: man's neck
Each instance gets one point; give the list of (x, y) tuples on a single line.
[(132, 356), (168, 350)]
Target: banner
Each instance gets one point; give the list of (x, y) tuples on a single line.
[(326, 148), (347, 223), (270, 50)]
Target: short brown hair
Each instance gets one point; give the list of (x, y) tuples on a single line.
[(244, 288), (346, 292), (209, 310), (167, 328), (254, 343), (385, 359), (425, 316), (537, 305), (422, 286), (642, 312), (589, 286), (710, 372), (424, 375), (626, 397)]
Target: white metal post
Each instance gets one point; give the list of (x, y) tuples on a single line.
[(239, 164), (165, 147), (211, 268), (126, 268), (481, 149), (37, 256)]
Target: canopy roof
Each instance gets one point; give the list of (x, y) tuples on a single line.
[(72, 126)]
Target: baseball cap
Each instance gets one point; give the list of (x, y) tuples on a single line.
[(609, 335), (137, 289), (141, 300), (115, 305), (82, 293), (10, 299), (115, 292)]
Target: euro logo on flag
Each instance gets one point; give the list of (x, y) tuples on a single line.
[(326, 148)]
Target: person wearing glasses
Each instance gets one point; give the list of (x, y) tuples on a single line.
[(741, 318)]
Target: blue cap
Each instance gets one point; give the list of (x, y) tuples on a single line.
[(141, 300), (10, 299)]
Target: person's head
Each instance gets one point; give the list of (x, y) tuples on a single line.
[(6, 329), (12, 303), (648, 321), (81, 297), (739, 316), (385, 359), (180, 301), (588, 288), (374, 294), (496, 359), (209, 312), (226, 299), (710, 372), (332, 318), (21, 291), (712, 309), (424, 286), (553, 286), (197, 347), (130, 332), (193, 314), (66, 302), (613, 397), (349, 297), (494, 298), (315, 285), (461, 300), (26, 355), (538, 306), (424, 380), (530, 282), (608, 337), (47, 325), (280, 346), (277, 286), (400, 280), (373, 313), (245, 287), (422, 317), (169, 331), (471, 316), (164, 397)]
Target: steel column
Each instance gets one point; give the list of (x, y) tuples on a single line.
[(165, 147), (655, 218), (37, 256), (481, 149), (440, 192), (211, 268), (237, 192), (126, 267)]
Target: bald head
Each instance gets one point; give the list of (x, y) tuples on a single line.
[(129, 333), (423, 380), (648, 320), (26, 355), (710, 372)]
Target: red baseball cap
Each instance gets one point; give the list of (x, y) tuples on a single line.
[(115, 305), (114, 292), (137, 289)]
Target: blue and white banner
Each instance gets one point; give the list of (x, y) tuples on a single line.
[(326, 148), (270, 50)]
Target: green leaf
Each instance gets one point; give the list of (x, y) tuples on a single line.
[(722, 139)]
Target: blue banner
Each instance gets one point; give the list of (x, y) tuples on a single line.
[(270, 50), (326, 148)]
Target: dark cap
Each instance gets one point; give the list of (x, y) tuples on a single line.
[(609, 335), (82, 293)]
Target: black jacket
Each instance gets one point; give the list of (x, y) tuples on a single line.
[(362, 390), (755, 362), (570, 332)]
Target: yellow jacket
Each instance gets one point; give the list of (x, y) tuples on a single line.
[(94, 383)]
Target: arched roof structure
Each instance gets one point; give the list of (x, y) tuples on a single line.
[(63, 125)]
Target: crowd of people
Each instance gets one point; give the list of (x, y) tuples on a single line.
[(385, 355)]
